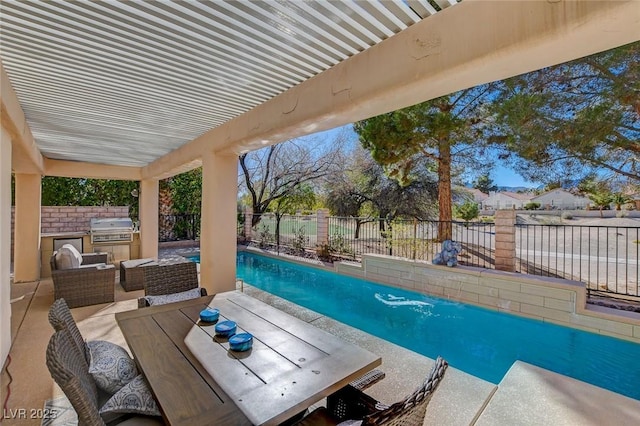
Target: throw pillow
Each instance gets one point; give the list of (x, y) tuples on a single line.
[(135, 397), (194, 293), (110, 365), (66, 259), (74, 251)]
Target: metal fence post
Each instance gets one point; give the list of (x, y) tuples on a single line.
[(505, 256)]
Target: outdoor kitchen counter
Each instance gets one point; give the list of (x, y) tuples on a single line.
[(47, 245)]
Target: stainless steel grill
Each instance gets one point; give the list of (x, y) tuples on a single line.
[(109, 231)]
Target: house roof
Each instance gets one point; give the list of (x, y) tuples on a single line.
[(557, 190), (514, 195)]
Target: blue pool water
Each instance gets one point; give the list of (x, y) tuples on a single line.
[(479, 341)]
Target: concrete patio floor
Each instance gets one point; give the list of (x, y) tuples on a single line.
[(527, 395)]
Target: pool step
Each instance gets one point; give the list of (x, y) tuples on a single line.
[(532, 395)]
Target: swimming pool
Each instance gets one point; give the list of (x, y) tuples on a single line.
[(479, 341)]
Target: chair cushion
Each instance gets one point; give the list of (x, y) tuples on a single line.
[(110, 365), (68, 257), (194, 293), (135, 397)]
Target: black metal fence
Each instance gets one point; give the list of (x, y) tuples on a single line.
[(292, 232), (606, 258), (179, 227), (410, 238)]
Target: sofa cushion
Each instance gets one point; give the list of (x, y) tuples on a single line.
[(194, 293), (135, 397), (68, 257), (110, 365)]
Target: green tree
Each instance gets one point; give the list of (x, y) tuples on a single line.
[(467, 211), (601, 199), (301, 197), (485, 184), (186, 191), (565, 122), (351, 191), (61, 191), (447, 131), (362, 190), (276, 171), (619, 199)]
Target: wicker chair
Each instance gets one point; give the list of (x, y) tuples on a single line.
[(70, 371), (169, 278), (60, 318), (86, 285), (350, 403)]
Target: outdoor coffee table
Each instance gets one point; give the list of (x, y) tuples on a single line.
[(197, 380), (131, 273)]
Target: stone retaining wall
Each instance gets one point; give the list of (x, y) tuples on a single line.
[(547, 299)]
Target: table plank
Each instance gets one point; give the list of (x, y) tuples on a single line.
[(272, 354), (323, 363), (199, 381), (186, 394)]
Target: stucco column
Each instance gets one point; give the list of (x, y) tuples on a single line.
[(5, 245), (148, 214), (26, 262), (322, 227), (248, 217), (506, 240), (218, 232)]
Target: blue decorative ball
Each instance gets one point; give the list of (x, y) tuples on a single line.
[(226, 328), (209, 315), (241, 342)]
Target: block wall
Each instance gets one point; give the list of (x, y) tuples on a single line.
[(547, 299), (57, 219)]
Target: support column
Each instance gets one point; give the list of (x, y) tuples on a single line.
[(26, 262), (148, 214), (505, 240), (248, 217), (322, 227), (5, 245), (218, 230)]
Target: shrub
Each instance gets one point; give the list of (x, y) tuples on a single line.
[(622, 213), (567, 216), (300, 240), (265, 237), (532, 206), (467, 211)]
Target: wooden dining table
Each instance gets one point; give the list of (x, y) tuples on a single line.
[(198, 380)]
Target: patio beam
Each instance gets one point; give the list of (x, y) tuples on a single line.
[(493, 40), (25, 155), (78, 169)]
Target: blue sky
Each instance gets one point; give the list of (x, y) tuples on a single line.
[(503, 176)]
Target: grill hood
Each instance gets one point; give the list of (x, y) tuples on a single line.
[(110, 230)]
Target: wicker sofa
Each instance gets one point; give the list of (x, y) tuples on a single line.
[(90, 283)]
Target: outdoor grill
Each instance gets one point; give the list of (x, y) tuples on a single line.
[(116, 230)]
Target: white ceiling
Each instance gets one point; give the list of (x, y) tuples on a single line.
[(126, 82)]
